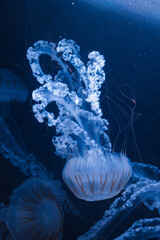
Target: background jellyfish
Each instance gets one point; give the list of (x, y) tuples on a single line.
[(143, 186), (92, 171), (12, 89), (34, 212)]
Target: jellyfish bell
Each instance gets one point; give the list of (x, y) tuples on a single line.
[(97, 177), (34, 212)]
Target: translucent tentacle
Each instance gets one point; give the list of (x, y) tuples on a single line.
[(139, 189), (79, 107), (142, 229)]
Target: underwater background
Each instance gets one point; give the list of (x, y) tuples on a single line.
[(129, 39)]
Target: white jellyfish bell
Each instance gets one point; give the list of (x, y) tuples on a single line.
[(92, 171), (94, 177)]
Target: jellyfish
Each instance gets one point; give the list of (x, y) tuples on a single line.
[(92, 171), (12, 89), (143, 186), (34, 212)]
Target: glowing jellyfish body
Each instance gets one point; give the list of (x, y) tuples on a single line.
[(93, 179), (34, 213), (92, 171)]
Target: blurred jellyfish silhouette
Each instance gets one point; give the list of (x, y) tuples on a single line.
[(34, 212), (12, 89), (143, 187), (92, 171)]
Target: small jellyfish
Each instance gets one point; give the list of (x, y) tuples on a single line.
[(12, 89), (34, 212)]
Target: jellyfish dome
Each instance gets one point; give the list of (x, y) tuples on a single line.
[(92, 171), (91, 178), (34, 213), (11, 87)]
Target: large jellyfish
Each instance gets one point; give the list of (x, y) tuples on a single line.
[(34, 212), (92, 171)]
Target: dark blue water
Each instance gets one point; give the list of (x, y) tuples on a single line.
[(130, 43)]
